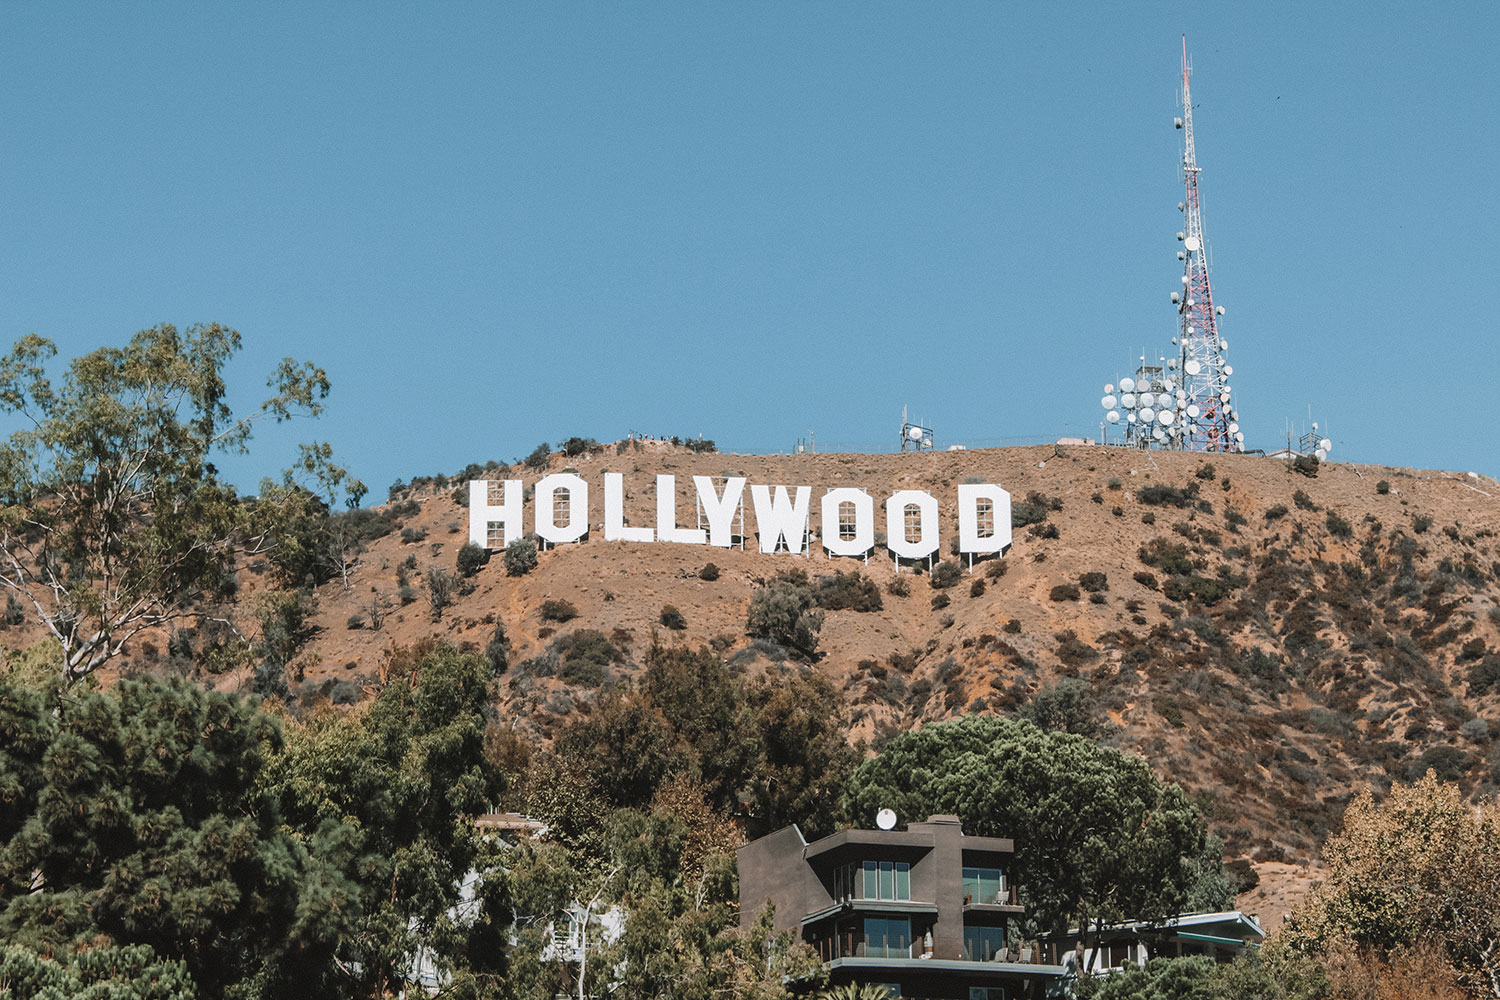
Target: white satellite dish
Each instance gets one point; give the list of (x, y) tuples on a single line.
[(1320, 454), (1325, 444), (915, 433), (1181, 395), (1191, 243), (1147, 414), (1223, 345), (1233, 427), (1224, 397), (1113, 416), (1192, 367), (1229, 369), (1109, 387), (1127, 385), (1108, 402), (1175, 297), (1193, 411), (1128, 400), (1165, 417), (886, 819), (1147, 399), (1240, 437), (1220, 310), (1158, 434), (1130, 418)]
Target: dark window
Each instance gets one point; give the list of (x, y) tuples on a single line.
[(888, 937), (983, 944)]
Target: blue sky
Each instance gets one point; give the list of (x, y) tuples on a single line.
[(498, 224)]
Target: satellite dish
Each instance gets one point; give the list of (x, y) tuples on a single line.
[(1240, 437), (1108, 402), (1109, 387), (1193, 411), (1192, 367), (1181, 395), (1113, 416), (1130, 418), (1220, 310), (1224, 397), (1181, 255), (1175, 297), (915, 433), (1180, 238), (1165, 417), (886, 819), (1325, 444), (1229, 369), (1233, 428), (1128, 400), (1147, 414), (1158, 434), (1147, 399), (1192, 244), (1223, 345), (1320, 454), (1127, 385)]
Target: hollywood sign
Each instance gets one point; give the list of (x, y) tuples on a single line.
[(782, 516)]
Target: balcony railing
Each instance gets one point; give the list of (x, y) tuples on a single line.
[(1005, 895), (832, 948)]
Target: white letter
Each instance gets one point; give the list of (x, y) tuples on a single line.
[(969, 497), (895, 524), (720, 510), (780, 519), (864, 522), (666, 515), (483, 514), (578, 507), (614, 513)]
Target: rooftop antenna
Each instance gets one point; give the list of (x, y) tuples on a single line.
[(1214, 426)]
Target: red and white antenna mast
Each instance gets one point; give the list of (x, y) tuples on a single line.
[(1211, 423)]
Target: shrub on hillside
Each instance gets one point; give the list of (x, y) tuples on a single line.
[(899, 586), (709, 572), (945, 574), (471, 558), (1383, 487), (1205, 471), (575, 446), (1161, 495), (558, 610), (1093, 582), (584, 657), (1169, 557), (1339, 527), (1065, 592), (539, 457), (1303, 501), (672, 618), (1305, 465), (783, 611), (440, 587), (520, 556), (852, 591)]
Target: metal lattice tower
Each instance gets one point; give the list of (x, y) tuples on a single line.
[(1211, 423)]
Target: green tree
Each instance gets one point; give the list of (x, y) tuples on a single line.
[(139, 817), (114, 518), (1068, 706), (404, 774), (1098, 837), (131, 972)]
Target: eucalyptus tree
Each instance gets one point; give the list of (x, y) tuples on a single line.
[(113, 516)]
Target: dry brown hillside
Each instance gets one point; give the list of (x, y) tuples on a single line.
[(1275, 643)]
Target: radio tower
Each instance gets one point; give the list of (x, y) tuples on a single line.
[(1211, 422)]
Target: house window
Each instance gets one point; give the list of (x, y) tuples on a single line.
[(848, 521), (984, 885), (886, 880), (888, 937), (983, 944)]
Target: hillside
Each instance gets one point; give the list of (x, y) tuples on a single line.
[(1275, 642)]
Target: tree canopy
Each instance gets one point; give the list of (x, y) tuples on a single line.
[(114, 519), (1421, 867), (1097, 836)]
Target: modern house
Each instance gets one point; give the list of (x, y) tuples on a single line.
[(927, 911)]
